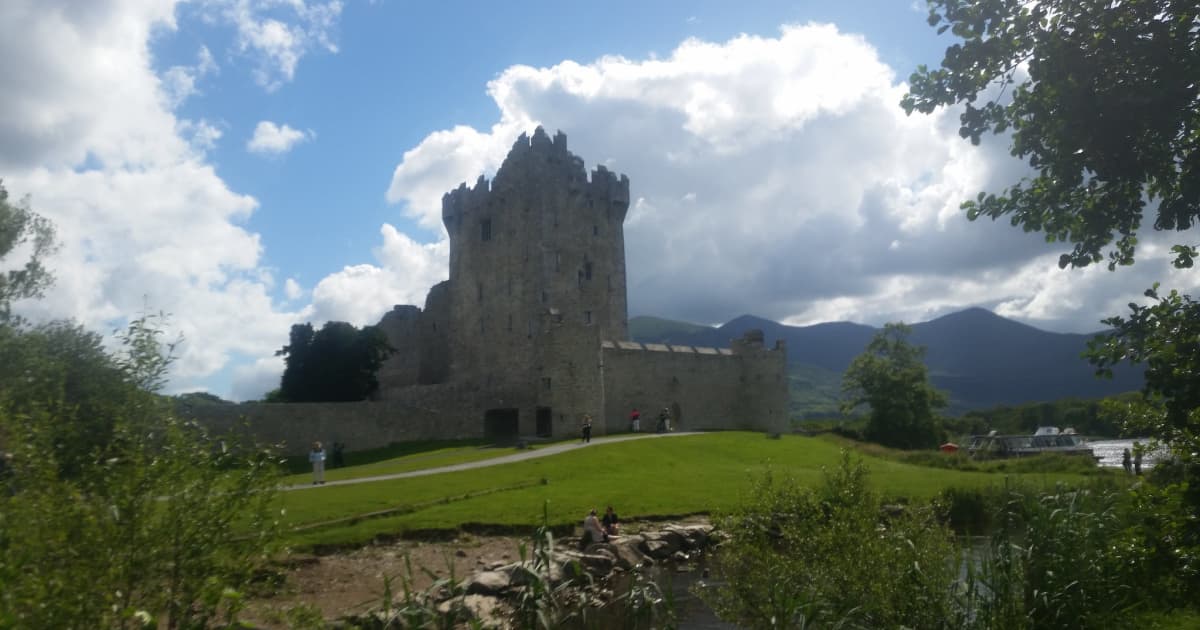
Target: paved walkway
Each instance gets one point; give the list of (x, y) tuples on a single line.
[(495, 461)]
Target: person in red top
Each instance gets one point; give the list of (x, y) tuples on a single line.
[(635, 420)]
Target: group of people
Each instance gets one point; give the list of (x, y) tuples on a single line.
[(664, 421), (1135, 458), (599, 529), (635, 424), (316, 457)]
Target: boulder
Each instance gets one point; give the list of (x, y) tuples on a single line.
[(657, 549), (489, 583), (488, 611)]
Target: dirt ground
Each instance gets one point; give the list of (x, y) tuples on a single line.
[(353, 581)]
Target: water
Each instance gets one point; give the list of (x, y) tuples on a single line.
[(1108, 452)]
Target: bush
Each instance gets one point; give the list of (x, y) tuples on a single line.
[(798, 557), (114, 513)]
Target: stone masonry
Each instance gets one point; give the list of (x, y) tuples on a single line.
[(530, 332)]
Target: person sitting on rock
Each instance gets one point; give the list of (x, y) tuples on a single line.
[(610, 522), (593, 532)]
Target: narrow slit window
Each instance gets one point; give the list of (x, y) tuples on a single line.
[(587, 317), (485, 230), (587, 270)]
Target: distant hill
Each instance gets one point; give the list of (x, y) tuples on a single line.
[(979, 358)]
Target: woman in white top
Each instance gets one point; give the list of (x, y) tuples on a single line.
[(317, 457)]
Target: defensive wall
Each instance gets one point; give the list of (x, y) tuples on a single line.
[(704, 388)]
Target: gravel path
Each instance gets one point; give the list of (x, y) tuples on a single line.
[(496, 461)]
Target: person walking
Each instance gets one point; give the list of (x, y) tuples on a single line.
[(317, 457), (587, 428)]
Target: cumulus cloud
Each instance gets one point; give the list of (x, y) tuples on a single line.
[(143, 219), (276, 34), (361, 294), (270, 138), (179, 82), (778, 175)]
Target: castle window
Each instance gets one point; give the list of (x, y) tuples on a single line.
[(481, 325), (579, 276), (557, 261), (546, 382), (591, 204), (479, 291), (587, 270), (545, 297), (529, 328), (595, 230), (510, 322), (587, 317), (485, 230)]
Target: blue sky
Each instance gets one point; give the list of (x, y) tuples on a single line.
[(248, 164)]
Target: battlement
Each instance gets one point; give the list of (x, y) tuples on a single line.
[(534, 162)]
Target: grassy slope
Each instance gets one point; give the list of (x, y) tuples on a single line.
[(426, 455), (680, 475)]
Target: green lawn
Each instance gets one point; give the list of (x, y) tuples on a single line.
[(640, 478), (432, 455)]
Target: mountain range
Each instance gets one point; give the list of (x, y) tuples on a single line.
[(978, 358)]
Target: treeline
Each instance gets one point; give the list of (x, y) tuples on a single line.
[(1092, 417)]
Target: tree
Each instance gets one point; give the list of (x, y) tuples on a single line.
[(131, 517), (20, 226), (1101, 98), (1162, 336), (335, 364), (890, 376)]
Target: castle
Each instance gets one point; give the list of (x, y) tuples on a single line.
[(531, 330)]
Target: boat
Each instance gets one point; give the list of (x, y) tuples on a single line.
[(1044, 440)]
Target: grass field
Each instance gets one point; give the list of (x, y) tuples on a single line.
[(641, 479)]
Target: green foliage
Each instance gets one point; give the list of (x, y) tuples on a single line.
[(827, 557), (130, 516), (20, 226), (1088, 417), (335, 364), (891, 377), (1165, 337), (1129, 70)]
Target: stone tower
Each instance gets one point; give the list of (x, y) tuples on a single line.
[(541, 245)]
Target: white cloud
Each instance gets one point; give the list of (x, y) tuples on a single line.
[(143, 219), (270, 138), (778, 175), (361, 294), (179, 82), (276, 34), (292, 289), (252, 380)]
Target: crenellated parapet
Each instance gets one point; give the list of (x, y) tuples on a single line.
[(543, 162)]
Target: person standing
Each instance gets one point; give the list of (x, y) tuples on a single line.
[(317, 457), (1137, 459), (635, 420), (587, 428), (1127, 462)]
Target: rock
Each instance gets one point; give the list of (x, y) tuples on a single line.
[(657, 549), (680, 556), (460, 553), (598, 562), (488, 611), (489, 583)]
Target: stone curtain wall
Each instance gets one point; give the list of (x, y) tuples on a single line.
[(432, 412), (713, 389)]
